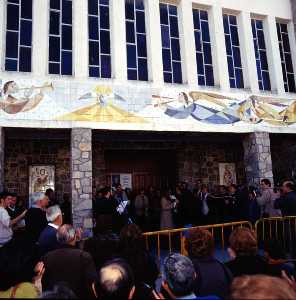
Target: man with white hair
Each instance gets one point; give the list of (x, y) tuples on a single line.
[(69, 264), (36, 216), (48, 237)]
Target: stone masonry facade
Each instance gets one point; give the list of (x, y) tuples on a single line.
[(81, 177), (194, 160), (1, 158), (201, 162), (20, 154), (257, 158)]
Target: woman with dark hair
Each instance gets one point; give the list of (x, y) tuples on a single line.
[(214, 278), (132, 249)]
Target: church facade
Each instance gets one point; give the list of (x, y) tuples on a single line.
[(146, 93)]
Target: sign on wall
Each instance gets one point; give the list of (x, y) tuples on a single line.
[(42, 177), (124, 179), (227, 174)]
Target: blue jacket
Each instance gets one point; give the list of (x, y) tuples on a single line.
[(48, 240)]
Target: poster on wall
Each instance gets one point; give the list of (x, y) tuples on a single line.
[(124, 179), (227, 174), (42, 177)]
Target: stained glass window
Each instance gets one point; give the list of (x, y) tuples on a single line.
[(203, 49), (171, 54), (235, 69), (286, 57), (60, 37), (136, 43), (99, 38), (18, 54)]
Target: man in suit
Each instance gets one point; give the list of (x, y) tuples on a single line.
[(48, 237), (69, 264), (287, 203), (36, 217)]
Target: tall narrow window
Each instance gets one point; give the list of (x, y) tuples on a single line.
[(136, 40), (261, 55), (235, 69), (286, 57), (171, 54), (18, 55), (203, 48), (99, 38), (60, 37)]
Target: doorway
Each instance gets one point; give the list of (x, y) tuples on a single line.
[(155, 168)]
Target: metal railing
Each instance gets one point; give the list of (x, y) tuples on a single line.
[(173, 240), (282, 229)]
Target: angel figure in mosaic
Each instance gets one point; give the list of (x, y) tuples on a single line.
[(105, 109), (14, 99)]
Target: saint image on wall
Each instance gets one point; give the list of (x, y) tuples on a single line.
[(227, 174), (41, 178)]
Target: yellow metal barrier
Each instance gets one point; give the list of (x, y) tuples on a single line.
[(174, 239), (282, 229)]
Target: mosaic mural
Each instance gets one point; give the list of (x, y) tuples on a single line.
[(148, 108)]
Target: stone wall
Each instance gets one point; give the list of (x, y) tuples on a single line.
[(1, 158), (20, 154), (194, 160), (81, 177), (99, 166), (201, 162), (257, 157)]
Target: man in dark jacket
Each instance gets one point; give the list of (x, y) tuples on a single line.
[(36, 217), (70, 265), (48, 237), (287, 203)]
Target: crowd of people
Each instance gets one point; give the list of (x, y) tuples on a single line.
[(43, 256), (176, 208)]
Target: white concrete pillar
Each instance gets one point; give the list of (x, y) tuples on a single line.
[(219, 49), (189, 66), (248, 52), (118, 40), (80, 39), (40, 38), (2, 34), (154, 47), (1, 158), (273, 55)]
